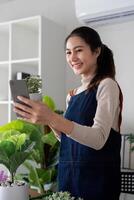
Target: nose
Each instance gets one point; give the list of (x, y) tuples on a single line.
[(73, 56)]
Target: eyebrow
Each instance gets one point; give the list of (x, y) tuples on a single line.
[(79, 46)]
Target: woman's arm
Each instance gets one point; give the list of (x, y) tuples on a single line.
[(95, 136), (107, 109)]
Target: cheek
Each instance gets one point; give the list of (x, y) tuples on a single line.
[(91, 60), (67, 59)]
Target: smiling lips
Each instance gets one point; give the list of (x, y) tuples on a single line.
[(77, 65)]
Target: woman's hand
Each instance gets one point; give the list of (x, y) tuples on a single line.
[(39, 113), (33, 111)]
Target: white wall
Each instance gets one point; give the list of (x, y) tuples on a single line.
[(60, 11), (120, 38)]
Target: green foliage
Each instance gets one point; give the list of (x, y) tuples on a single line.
[(17, 140), (40, 160), (44, 172), (49, 139), (15, 148), (34, 84), (49, 102), (59, 196), (130, 138)]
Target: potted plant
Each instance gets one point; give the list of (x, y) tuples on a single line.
[(34, 84), (16, 145), (58, 196), (42, 175), (131, 141)]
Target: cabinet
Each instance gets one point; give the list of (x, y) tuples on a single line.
[(33, 45)]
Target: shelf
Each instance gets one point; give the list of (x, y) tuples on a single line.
[(4, 72), (4, 102), (29, 45), (4, 63), (3, 114), (4, 42), (26, 31), (31, 67), (25, 60), (13, 114)]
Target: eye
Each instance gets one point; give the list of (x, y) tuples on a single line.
[(68, 52), (78, 50)]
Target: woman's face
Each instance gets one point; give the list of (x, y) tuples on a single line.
[(80, 57)]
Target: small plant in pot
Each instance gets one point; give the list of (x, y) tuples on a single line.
[(34, 84), (15, 148), (59, 196)]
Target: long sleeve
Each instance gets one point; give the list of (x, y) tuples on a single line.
[(106, 117)]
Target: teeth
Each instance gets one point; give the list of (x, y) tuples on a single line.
[(76, 65)]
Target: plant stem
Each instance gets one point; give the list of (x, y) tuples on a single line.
[(12, 177)]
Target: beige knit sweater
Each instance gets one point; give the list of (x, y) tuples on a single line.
[(106, 116)]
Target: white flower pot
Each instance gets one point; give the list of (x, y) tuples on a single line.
[(14, 192), (36, 96)]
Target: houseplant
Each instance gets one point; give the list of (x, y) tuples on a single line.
[(34, 84), (42, 175), (131, 141), (15, 148), (58, 196)]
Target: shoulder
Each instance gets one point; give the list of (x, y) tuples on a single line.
[(108, 86), (108, 82)]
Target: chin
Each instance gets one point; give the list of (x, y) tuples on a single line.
[(78, 72)]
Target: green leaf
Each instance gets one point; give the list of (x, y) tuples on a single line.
[(21, 140), (44, 175), (21, 126), (49, 102), (49, 139), (17, 159), (33, 175), (15, 124), (8, 147), (53, 155), (4, 159)]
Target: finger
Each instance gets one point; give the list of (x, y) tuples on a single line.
[(32, 120), (22, 113), (26, 100), (23, 107)]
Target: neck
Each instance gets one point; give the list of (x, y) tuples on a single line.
[(85, 80)]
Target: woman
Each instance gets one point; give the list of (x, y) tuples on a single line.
[(89, 163)]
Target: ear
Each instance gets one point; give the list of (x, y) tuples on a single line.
[(97, 51)]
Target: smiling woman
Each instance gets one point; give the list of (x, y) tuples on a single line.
[(90, 129), (80, 57)]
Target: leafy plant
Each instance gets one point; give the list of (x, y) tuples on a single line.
[(59, 196), (41, 163), (18, 140), (130, 138), (46, 158), (15, 148), (34, 83)]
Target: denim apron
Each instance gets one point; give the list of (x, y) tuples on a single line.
[(83, 171)]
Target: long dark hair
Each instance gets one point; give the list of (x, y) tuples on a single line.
[(105, 61)]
